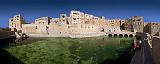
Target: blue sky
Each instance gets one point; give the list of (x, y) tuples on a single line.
[(32, 9)]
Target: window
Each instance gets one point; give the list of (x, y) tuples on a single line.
[(74, 18), (139, 20), (75, 13), (112, 25), (139, 23), (63, 16), (36, 27), (81, 26), (47, 27), (85, 26), (82, 15), (11, 19)]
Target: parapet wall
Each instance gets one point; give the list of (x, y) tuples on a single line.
[(66, 35)]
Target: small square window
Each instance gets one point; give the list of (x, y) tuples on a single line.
[(36, 27), (74, 18), (63, 16)]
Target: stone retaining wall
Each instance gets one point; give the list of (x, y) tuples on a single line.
[(66, 35)]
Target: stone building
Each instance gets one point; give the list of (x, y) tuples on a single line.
[(113, 25), (138, 23), (29, 28), (15, 23), (152, 28), (127, 25), (81, 23), (76, 23)]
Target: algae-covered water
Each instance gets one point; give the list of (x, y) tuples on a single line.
[(98, 50)]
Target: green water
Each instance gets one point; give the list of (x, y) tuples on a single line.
[(71, 51)]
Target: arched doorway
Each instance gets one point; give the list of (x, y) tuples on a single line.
[(125, 35), (120, 35), (131, 35), (110, 35), (115, 35)]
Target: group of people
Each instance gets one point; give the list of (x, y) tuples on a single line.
[(137, 44), (138, 41)]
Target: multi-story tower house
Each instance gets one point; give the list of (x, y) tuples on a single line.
[(113, 25), (76, 17), (76, 21), (127, 25), (15, 23), (54, 21), (101, 21), (82, 23), (138, 23), (42, 25), (64, 19), (96, 20), (88, 19), (43, 21), (152, 28)]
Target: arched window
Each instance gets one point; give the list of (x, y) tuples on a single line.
[(131, 35), (110, 35), (115, 35), (125, 35), (120, 35)]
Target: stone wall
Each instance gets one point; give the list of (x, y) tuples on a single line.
[(29, 28)]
